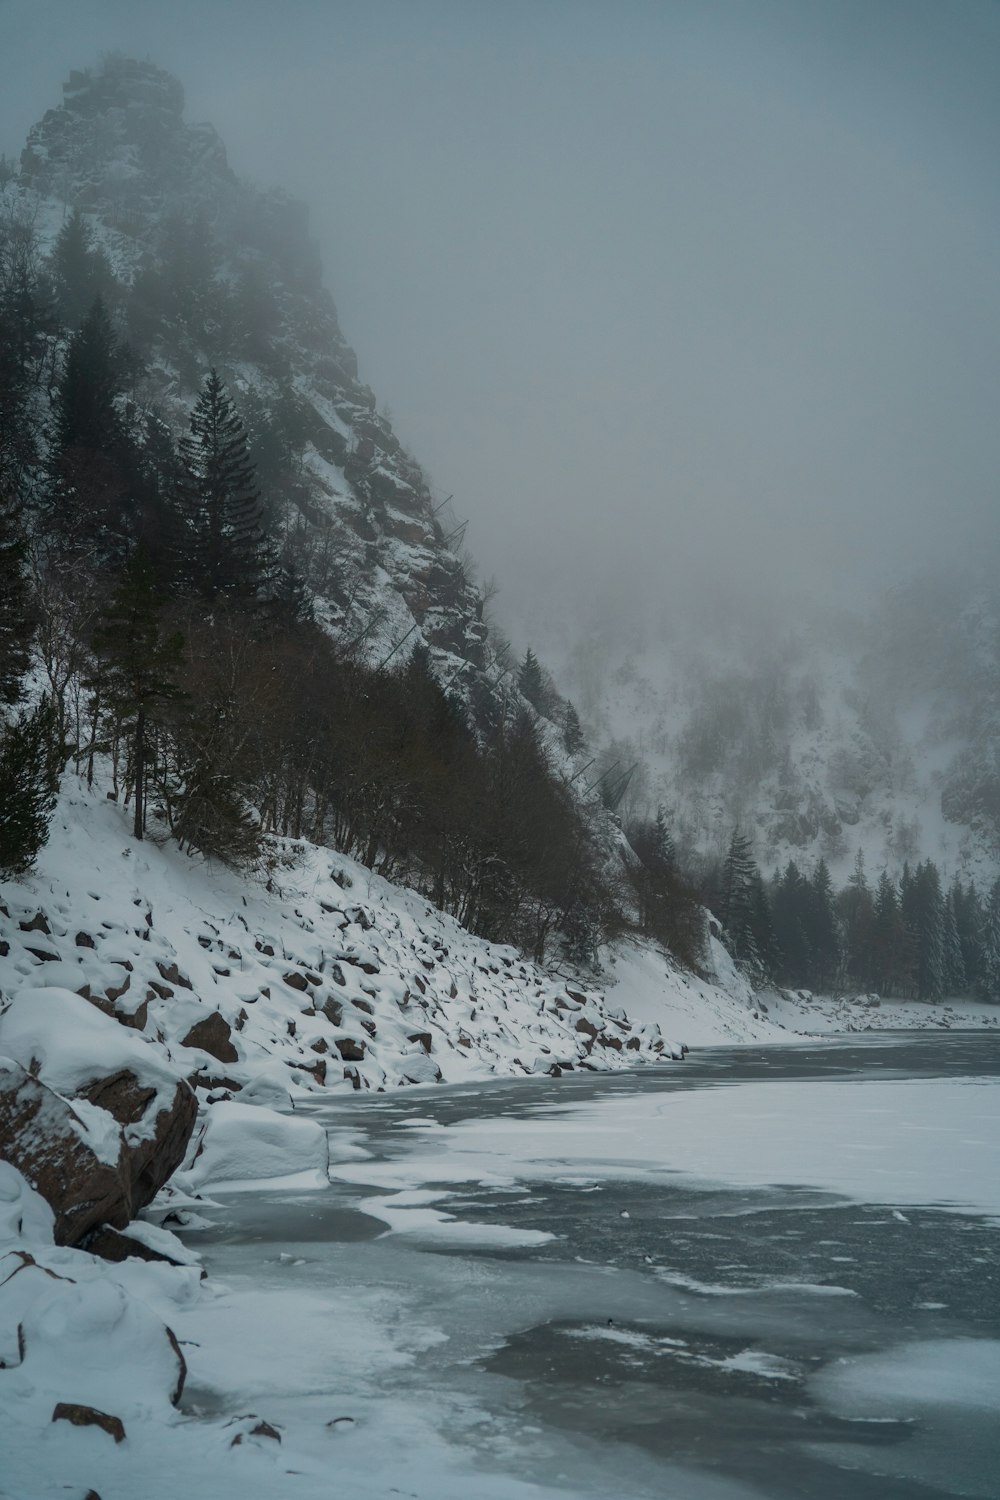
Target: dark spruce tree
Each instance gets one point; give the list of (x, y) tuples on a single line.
[(79, 270), (89, 480), (969, 922), (135, 678), (25, 323), (30, 763), (790, 917), (955, 978), (529, 680), (16, 608), (988, 980), (224, 551), (821, 926), (736, 899), (573, 740)]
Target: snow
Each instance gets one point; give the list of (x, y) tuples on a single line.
[(239, 1143), (411, 1214), (301, 973), (928, 1142), (907, 1380), (24, 1214), (69, 1043)]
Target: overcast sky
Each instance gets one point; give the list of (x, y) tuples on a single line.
[(692, 296)]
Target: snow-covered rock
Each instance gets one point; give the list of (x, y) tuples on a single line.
[(71, 1157), (105, 1155), (244, 1142)]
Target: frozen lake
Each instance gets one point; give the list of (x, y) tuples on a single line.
[(767, 1272)]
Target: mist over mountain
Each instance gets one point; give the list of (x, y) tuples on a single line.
[(834, 728)]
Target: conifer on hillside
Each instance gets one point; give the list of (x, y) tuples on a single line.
[(224, 552), (16, 611), (30, 763)]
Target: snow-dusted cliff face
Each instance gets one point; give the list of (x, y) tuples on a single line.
[(878, 733), (210, 271)]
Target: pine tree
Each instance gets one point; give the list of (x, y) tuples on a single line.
[(857, 913), (136, 674), (24, 324), (224, 551), (30, 763), (929, 932), (663, 853), (88, 499), (529, 680), (969, 921), (989, 961), (762, 928), (85, 406), (736, 897), (890, 944), (955, 979), (292, 603), (790, 914), (821, 923), (573, 740), (16, 612), (80, 272)]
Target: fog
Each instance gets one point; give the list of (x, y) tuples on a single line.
[(687, 301)]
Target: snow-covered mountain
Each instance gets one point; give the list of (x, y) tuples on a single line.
[(875, 732), (209, 270)]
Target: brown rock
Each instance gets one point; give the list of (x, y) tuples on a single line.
[(295, 980), (213, 1035), (89, 1416), (587, 1027), (147, 1162), (171, 974), (350, 1049), (114, 992), (262, 1429), (424, 1038), (37, 924), (40, 1135), (333, 1011), (84, 940)]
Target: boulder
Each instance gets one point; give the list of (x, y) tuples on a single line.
[(89, 1416), (213, 1035), (64, 1154), (139, 1115), (350, 1049), (155, 1132)]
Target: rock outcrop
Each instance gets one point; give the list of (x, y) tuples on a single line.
[(62, 1156)]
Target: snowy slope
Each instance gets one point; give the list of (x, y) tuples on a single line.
[(330, 978)]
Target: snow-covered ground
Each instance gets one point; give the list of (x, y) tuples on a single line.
[(324, 977), (703, 1014), (383, 1328)]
